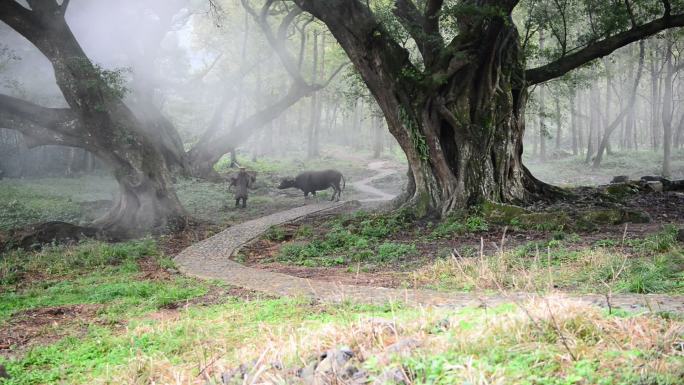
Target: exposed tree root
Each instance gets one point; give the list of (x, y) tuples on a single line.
[(36, 235)]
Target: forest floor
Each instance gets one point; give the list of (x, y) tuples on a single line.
[(81, 199), (394, 251), (570, 171), (122, 313)]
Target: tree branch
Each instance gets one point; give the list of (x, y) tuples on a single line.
[(278, 46), (411, 19), (42, 125), (668, 8), (64, 6), (212, 148), (600, 48), (378, 57), (62, 120), (431, 21), (334, 74), (630, 12), (287, 21), (19, 18), (424, 29)]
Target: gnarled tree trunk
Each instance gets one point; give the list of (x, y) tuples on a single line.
[(459, 115), (462, 136), (97, 121)]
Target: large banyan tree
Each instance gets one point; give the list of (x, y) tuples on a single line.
[(138, 143), (97, 120), (455, 98)]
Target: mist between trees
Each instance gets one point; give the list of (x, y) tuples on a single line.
[(152, 91), (629, 101)]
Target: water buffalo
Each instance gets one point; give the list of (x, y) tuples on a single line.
[(312, 181)]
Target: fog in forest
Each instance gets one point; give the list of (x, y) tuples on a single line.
[(341, 192), (204, 71), (211, 68), (220, 84)]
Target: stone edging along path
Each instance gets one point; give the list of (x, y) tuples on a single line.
[(210, 259)]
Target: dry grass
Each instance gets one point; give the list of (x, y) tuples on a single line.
[(587, 269), (559, 331)]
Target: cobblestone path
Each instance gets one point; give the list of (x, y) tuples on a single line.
[(376, 195), (210, 259)]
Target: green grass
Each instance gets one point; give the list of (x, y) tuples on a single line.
[(288, 166), (19, 207), (196, 336), (528, 367), (275, 233), (27, 201), (654, 264), (457, 224), (500, 345), (504, 344), (388, 251), (573, 171), (509, 353), (206, 200), (357, 238), (90, 273)]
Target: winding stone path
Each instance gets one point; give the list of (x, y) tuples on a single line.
[(363, 185), (210, 259)]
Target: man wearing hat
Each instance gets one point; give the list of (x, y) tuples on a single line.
[(242, 181)]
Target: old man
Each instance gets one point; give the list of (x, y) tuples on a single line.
[(242, 182)]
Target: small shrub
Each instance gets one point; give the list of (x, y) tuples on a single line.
[(448, 227), (476, 224), (362, 255), (389, 251), (305, 231), (454, 224), (663, 241), (276, 234), (291, 251), (662, 274)]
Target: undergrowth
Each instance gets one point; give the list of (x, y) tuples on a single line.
[(357, 238), (91, 273), (654, 264), (543, 341)]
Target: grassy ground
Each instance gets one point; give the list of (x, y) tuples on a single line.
[(98, 313), (573, 171), (467, 254), (129, 321), (92, 273), (26, 201), (654, 264), (82, 199)]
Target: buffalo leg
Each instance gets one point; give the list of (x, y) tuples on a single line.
[(336, 191)]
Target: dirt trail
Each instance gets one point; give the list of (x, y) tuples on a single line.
[(362, 185), (210, 259)]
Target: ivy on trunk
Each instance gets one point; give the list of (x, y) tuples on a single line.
[(459, 114), (97, 121)]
